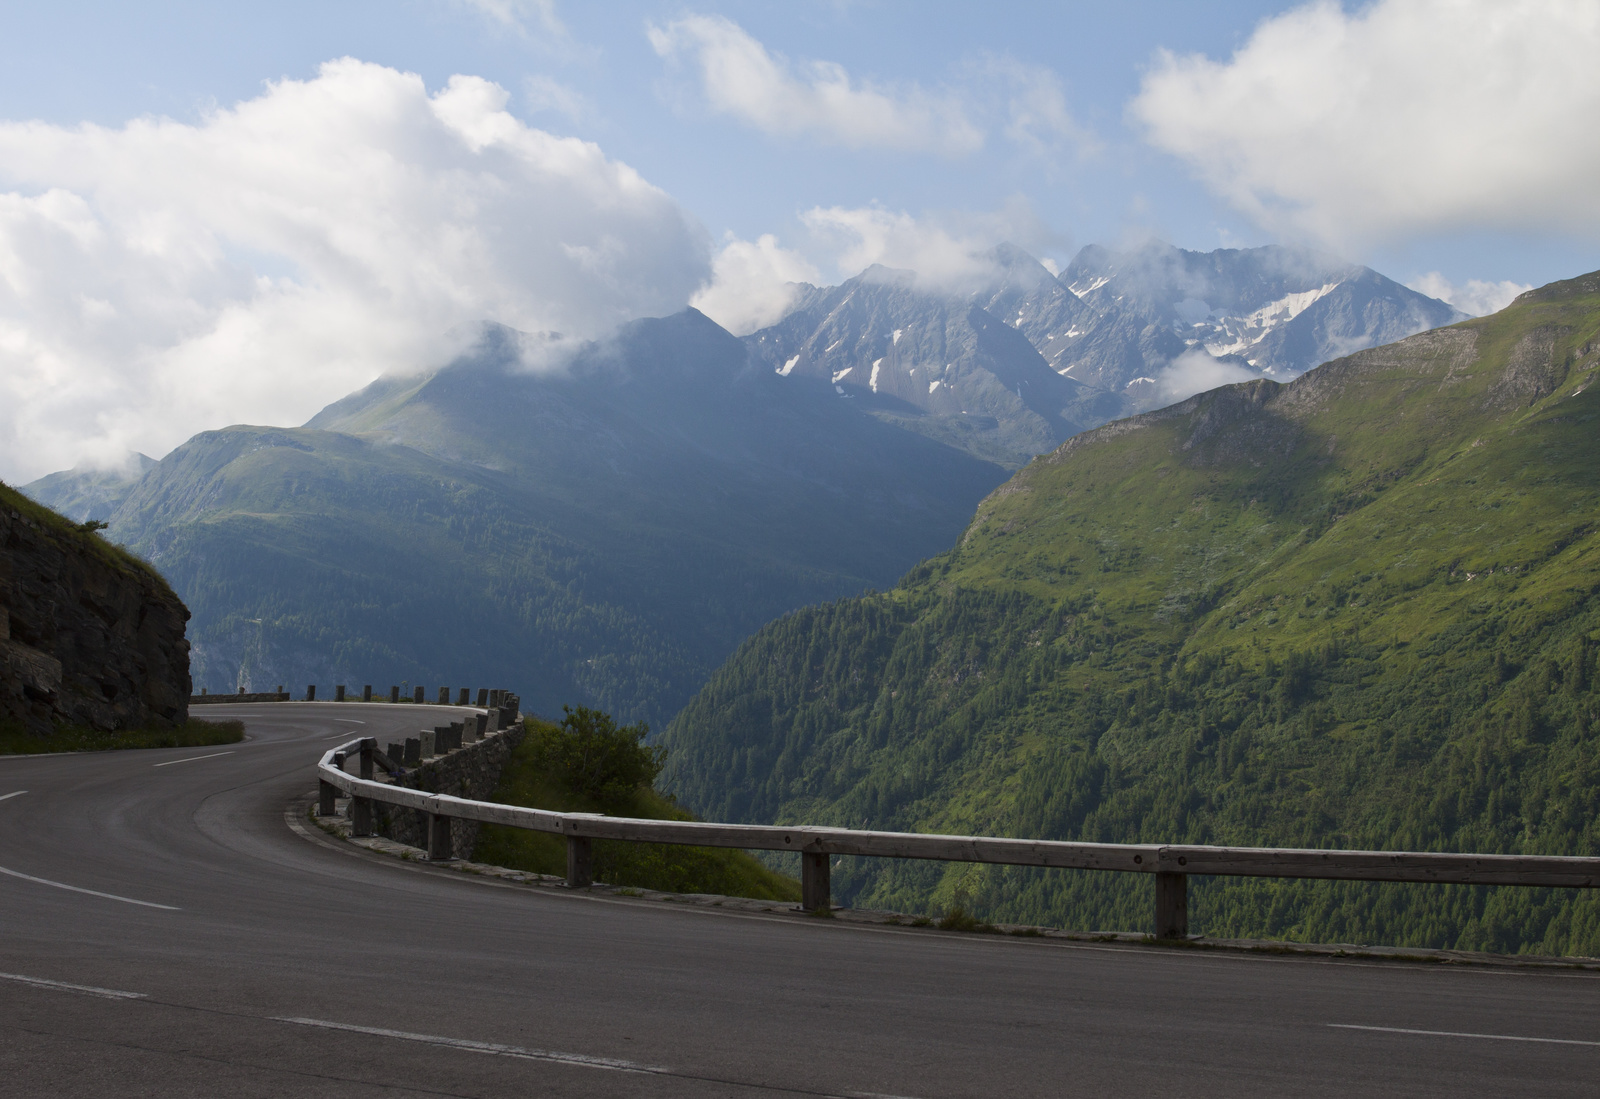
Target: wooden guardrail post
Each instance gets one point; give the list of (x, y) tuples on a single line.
[(327, 791), (816, 892), (361, 808), (580, 862), (1172, 905), (439, 838)]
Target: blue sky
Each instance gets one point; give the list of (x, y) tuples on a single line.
[(238, 272)]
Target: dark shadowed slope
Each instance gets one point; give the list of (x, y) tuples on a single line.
[(604, 532)]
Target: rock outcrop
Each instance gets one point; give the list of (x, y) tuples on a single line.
[(89, 635)]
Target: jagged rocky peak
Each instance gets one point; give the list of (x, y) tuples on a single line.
[(1129, 330), (1279, 311), (937, 358), (1137, 330)]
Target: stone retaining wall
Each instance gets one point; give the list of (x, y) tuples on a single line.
[(472, 771)]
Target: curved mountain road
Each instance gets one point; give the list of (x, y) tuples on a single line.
[(164, 932)]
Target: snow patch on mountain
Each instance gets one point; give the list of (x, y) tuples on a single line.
[(1235, 335)]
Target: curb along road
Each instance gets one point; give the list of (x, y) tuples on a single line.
[(282, 967)]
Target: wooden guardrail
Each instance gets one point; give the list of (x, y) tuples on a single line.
[(1171, 864)]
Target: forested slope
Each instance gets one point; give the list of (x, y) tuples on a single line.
[(1358, 610)]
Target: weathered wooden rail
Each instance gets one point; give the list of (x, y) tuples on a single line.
[(1171, 864)]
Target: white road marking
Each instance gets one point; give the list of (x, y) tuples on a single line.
[(13, 794), (65, 986), (191, 759), (482, 1047), (91, 892), (1465, 1034), (351, 720)]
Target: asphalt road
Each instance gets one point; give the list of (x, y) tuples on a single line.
[(204, 948)]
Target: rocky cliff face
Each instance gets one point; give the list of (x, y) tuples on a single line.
[(89, 635)]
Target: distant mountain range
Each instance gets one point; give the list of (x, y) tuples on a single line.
[(1360, 610), (601, 533), (1115, 334), (84, 494), (607, 529)]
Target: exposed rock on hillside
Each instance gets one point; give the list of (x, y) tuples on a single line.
[(88, 635)]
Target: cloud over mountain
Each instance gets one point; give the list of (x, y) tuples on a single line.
[(1398, 119), (951, 252), (166, 276)]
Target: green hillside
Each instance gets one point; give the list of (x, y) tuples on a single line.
[(1357, 610)]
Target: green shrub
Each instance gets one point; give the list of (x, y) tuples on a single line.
[(543, 772), (594, 757)]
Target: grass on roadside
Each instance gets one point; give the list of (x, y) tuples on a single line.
[(194, 733)]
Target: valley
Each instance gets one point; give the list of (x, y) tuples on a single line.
[(603, 522)]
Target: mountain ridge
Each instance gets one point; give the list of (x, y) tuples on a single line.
[(1128, 330), (600, 474), (1359, 609), (602, 531)]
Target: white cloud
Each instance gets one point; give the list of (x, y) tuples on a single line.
[(545, 93), (162, 277), (1034, 106), (949, 252), (753, 284), (1402, 118), (862, 236), (517, 14), (1195, 372), (1475, 296), (739, 77)]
